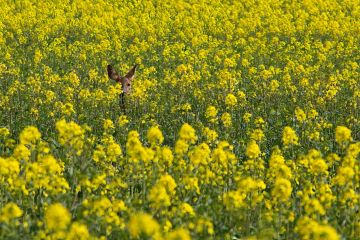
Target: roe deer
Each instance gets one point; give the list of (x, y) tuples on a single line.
[(125, 81)]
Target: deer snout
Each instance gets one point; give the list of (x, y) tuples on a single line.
[(126, 86)]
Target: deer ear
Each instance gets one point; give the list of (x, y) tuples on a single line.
[(112, 73), (131, 74)]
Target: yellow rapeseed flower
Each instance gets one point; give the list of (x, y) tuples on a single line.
[(211, 135), (247, 116), (67, 109), (159, 197), (181, 147), (168, 182), (71, 135), (300, 114), (211, 114), (186, 208), (108, 125), (142, 223), (289, 137), (9, 212), (342, 134), (308, 228), (252, 150), (21, 152), (230, 100), (78, 231), (30, 135), (123, 120), (57, 217), (281, 190), (226, 119), (187, 133), (167, 155), (4, 132), (155, 136), (178, 234)]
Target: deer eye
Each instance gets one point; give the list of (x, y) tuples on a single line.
[(128, 84)]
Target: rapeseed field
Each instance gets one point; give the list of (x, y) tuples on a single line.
[(242, 121)]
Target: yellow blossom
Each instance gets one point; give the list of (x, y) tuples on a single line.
[(230, 100), (252, 150), (186, 208), (78, 231), (30, 135), (71, 134), (211, 114), (282, 190), (178, 234), (247, 117), (108, 125), (226, 119), (9, 212), (123, 120), (142, 223), (57, 217), (187, 133), (300, 114), (289, 137), (342, 134), (155, 136)]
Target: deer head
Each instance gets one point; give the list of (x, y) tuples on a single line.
[(125, 80)]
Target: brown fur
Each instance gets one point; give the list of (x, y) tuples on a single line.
[(125, 81)]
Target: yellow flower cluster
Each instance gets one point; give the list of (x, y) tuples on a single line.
[(242, 121), (71, 134), (9, 212)]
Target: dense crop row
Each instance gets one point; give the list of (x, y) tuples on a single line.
[(243, 121)]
